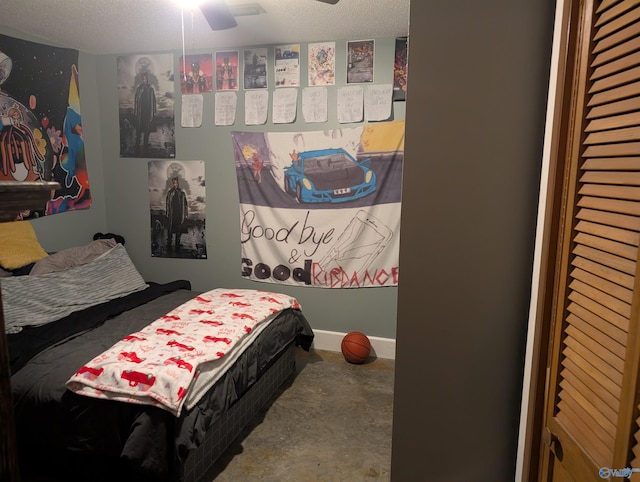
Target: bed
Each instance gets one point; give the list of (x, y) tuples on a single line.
[(56, 329)]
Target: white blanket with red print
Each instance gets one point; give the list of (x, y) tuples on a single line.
[(174, 360)]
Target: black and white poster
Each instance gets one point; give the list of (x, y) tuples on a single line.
[(177, 201)]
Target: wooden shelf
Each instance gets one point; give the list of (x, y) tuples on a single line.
[(14, 198)]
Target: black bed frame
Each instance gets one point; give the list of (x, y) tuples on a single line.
[(14, 197), (191, 450), (199, 464)]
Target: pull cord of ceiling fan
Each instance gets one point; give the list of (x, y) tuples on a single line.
[(184, 58)]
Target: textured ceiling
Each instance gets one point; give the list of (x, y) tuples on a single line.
[(130, 26)]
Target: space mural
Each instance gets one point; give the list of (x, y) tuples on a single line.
[(41, 123)]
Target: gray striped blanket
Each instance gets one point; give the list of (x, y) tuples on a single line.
[(41, 299)]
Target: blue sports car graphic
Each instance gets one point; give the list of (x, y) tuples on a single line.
[(328, 175)]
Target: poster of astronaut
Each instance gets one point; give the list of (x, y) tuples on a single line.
[(177, 201), (146, 103), (40, 123)]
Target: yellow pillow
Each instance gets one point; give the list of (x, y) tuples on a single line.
[(19, 245)]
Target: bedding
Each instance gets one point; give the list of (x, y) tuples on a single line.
[(175, 359), (76, 435), (42, 299), (72, 257), (30, 341), (20, 245)]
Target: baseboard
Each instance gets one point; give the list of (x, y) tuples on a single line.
[(331, 340)]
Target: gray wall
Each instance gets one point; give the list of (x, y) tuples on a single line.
[(478, 75), (370, 310), (121, 202)]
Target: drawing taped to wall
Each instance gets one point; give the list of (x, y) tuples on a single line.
[(177, 201)]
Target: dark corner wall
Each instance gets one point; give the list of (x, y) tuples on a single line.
[(478, 78)]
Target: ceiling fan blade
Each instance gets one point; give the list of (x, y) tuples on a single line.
[(218, 15), (330, 2)]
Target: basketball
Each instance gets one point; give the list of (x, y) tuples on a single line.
[(356, 347)]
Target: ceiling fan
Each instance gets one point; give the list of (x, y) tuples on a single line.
[(221, 16)]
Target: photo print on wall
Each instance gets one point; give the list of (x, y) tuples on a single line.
[(196, 73), (227, 70), (146, 104), (322, 63), (360, 57), (400, 70), (255, 68), (287, 65), (177, 201)]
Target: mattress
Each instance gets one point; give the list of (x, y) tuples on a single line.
[(84, 438)]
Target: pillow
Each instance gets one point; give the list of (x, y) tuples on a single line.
[(72, 257), (19, 245), (38, 300)]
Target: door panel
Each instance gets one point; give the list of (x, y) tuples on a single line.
[(560, 473), (591, 403)]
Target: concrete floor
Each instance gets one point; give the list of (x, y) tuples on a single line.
[(332, 423)]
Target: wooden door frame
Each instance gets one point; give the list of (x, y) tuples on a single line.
[(548, 236)]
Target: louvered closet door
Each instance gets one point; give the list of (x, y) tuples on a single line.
[(590, 425)]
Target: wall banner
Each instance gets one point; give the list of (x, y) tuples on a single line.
[(41, 135), (321, 209)]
